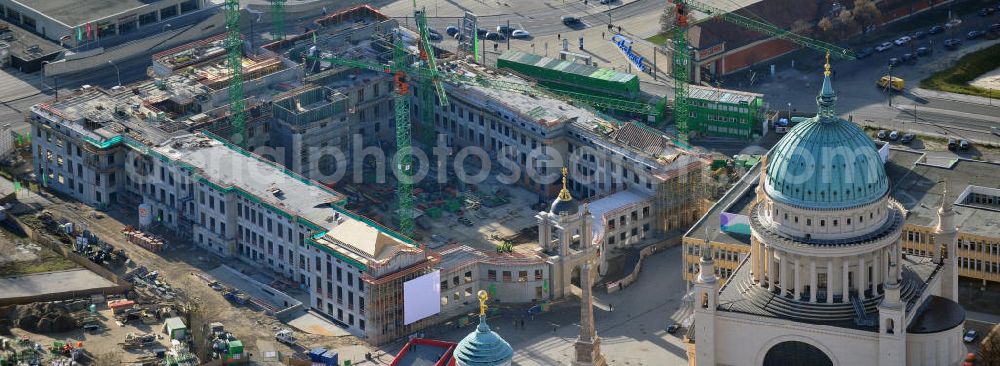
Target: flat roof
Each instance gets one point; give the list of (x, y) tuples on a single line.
[(610, 203), (74, 12), (228, 167), (26, 45), (424, 352), (570, 67), (742, 192), (722, 95)]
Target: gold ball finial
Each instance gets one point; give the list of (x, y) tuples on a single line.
[(483, 296), (564, 194), (826, 67)]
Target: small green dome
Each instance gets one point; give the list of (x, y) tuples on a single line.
[(483, 347), (825, 162)]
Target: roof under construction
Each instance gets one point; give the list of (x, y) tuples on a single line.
[(723, 95), (580, 69)]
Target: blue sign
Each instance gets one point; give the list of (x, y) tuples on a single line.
[(625, 45)]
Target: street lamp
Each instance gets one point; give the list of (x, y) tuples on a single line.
[(117, 72), (789, 111)]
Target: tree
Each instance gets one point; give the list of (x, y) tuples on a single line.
[(866, 13), (668, 18), (826, 27)]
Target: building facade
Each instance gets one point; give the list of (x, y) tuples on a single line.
[(726, 113)]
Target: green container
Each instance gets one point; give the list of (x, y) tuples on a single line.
[(235, 347)]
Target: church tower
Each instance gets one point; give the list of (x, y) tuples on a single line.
[(946, 235), (706, 298), (564, 227)]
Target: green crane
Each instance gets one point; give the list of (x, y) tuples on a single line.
[(278, 19), (234, 46), (681, 54), (428, 83)]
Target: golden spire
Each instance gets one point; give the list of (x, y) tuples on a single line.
[(826, 68), (564, 193), (482, 302)]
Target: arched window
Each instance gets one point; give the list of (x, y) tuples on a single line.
[(890, 326), (796, 353)]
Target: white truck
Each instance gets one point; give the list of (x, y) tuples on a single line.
[(285, 336)]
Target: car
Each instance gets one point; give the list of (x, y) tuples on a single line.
[(974, 34), (995, 27), (481, 32), (494, 36), (569, 20), (953, 23), (505, 30), (907, 137), (465, 221), (459, 37), (434, 35), (881, 134), (952, 43), (451, 31), (894, 135), (952, 144), (970, 336), (606, 2), (924, 51), (963, 144), (919, 35), (520, 33), (91, 327), (884, 46), (983, 12), (908, 57), (894, 61), (935, 29), (865, 52), (902, 40), (673, 328)]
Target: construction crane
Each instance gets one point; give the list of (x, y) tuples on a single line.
[(431, 81), (681, 54), (234, 47), (278, 19)]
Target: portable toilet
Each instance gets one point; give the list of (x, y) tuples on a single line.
[(316, 354), (174, 328), (330, 358)]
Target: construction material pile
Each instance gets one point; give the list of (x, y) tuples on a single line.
[(143, 239), (47, 317)]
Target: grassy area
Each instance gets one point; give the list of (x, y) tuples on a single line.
[(47, 260), (658, 39), (956, 79)]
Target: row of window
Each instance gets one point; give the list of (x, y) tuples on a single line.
[(522, 276)]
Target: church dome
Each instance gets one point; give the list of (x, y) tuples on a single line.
[(825, 161), (483, 347)]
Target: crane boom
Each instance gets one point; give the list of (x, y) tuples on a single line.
[(278, 19), (234, 47)]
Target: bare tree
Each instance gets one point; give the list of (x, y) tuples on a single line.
[(826, 27), (866, 13), (989, 350), (668, 18)]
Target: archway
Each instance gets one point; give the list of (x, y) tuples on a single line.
[(796, 353)]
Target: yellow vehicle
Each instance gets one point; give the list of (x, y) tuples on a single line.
[(897, 83)]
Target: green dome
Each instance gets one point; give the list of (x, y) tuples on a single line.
[(483, 347), (825, 162)]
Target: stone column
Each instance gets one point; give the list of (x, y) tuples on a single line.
[(845, 263), (754, 261), (812, 280), (768, 257), (862, 277), (899, 262), (798, 277), (784, 272), (829, 281)]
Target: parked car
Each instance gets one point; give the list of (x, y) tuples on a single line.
[(865, 52), (494, 36), (481, 32), (434, 35), (924, 51), (952, 43), (935, 29), (505, 30), (894, 135), (606, 2), (882, 134), (907, 137), (451, 31), (974, 34), (985, 12), (902, 40), (995, 27), (919, 35), (884, 46), (894, 61), (963, 144), (952, 144), (908, 57), (673, 328), (953, 23), (570, 21), (970, 336), (520, 33)]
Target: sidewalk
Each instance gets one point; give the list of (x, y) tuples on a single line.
[(927, 93)]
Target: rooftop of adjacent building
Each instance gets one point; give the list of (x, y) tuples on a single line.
[(719, 95), (331, 29), (74, 12), (613, 202), (232, 168), (459, 255), (26, 45), (424, 352), (580, 69), (915, 184)]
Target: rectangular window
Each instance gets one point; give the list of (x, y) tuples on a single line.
[(491, 275), (506, 276)]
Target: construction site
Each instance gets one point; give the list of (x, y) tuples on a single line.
[(261, 198)]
